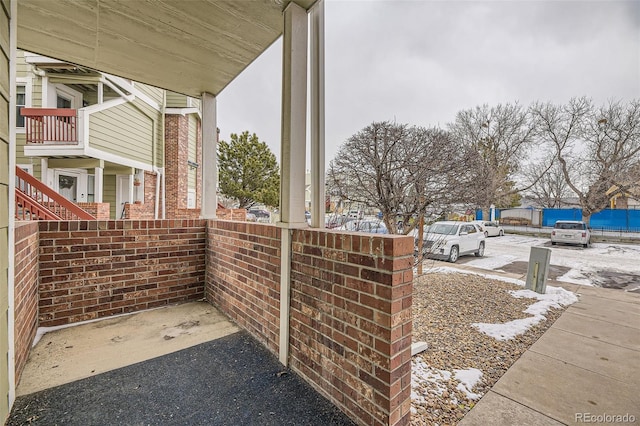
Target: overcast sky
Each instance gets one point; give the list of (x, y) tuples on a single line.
[(420, 62)]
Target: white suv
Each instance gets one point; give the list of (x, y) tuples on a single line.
[(571, 232), (450, 240)]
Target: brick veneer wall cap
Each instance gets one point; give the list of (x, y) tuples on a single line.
[(25, 293), (351, 321)]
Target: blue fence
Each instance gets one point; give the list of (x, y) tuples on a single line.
[(551, 216), (479, 214), (608, 219), (614, 219)]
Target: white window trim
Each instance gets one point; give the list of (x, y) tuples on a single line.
[(27, 83), (68, 93), (27, 167)]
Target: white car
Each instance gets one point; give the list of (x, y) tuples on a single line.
[(450, 240), (571, 232), (371, 226), (490, 228)]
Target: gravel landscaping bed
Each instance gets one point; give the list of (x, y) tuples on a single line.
[(461, 362)]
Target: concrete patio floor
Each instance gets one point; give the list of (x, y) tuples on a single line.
[(72, 353), (180, 365)]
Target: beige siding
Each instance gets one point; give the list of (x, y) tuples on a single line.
[(21, 65), (153, 92), (176, 100), (109, 194), (160, 140), (22, 159), (192, 154), (36, 90), (4, 210), (123, 130)]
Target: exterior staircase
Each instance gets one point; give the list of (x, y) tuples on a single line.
[(36, 201)]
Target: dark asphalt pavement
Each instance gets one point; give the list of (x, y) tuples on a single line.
[(233, 380)]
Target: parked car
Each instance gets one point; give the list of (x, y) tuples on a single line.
[(448, 240), (259, 213), (372, 226), (355, 214), (490, 228), (335, 221), (571, 232)]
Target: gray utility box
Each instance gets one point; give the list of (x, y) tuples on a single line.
[(538, 269)]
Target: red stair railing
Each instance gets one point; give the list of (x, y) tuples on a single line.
[(36, 201)]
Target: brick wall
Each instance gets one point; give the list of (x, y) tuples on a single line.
[(350, 322), (176, 167), (98, 210), (243, 276), (187, 214), (94, 269), (350, 329), (26, 292), (145, 208), (231, 214)]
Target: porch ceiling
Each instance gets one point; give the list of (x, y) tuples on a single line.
[(188, 47)]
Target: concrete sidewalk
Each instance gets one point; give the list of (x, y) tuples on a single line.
[(584, 369)]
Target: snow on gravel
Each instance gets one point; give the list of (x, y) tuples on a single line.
[(468, 379), (555, 297)]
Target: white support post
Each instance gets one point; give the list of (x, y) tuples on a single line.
[(44, 172), (8, 389), (209, 157), (293, 153), (100, 92), (294, 116), (285, 295), (317, 116), (98, 184)]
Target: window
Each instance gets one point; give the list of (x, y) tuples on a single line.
[(21, 102), (63, 102)]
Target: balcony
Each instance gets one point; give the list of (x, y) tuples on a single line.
[(50, 126)]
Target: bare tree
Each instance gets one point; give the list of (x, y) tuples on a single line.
[(502, 137), (549, 188), (398, 169), (597, 148)]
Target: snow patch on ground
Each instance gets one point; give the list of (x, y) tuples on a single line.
[(468, 379), (575, 276), (450, 270), (494, 262), (423, 374), (555, 297), (427, 382)]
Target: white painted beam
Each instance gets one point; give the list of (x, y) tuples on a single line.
[(209, 157), (317, 116)]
